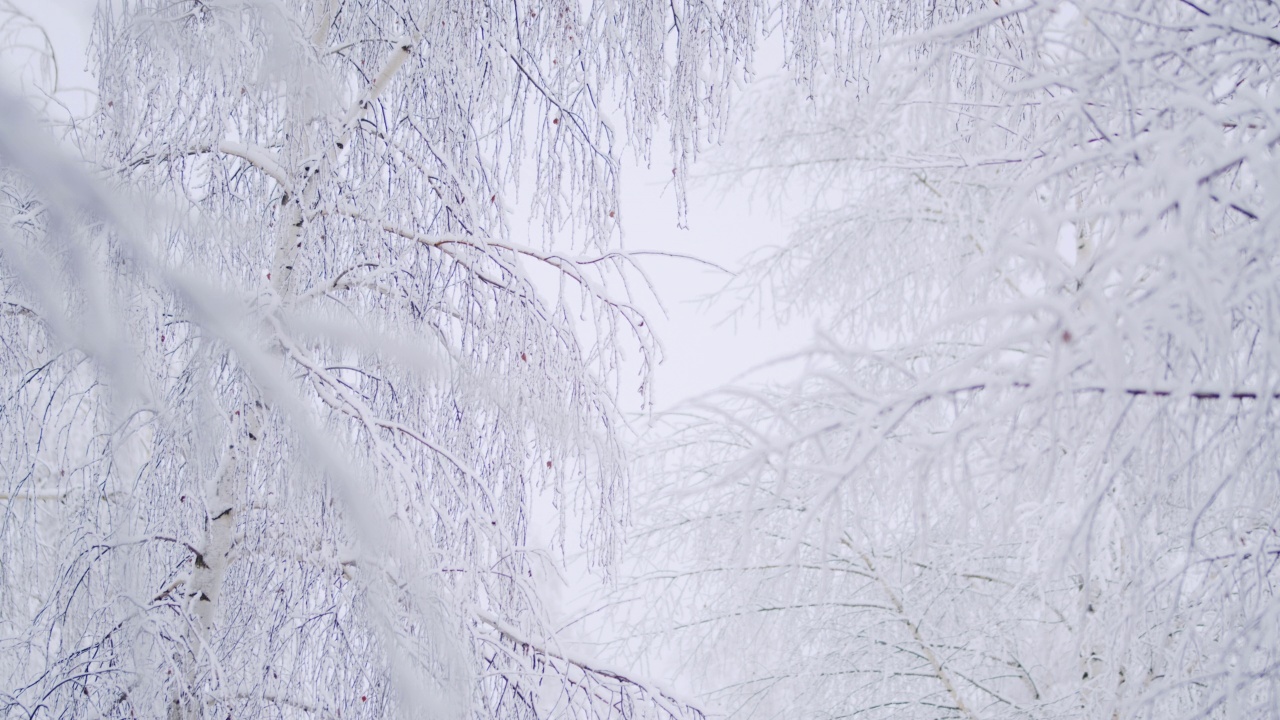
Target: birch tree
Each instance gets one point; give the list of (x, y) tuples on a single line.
[(285, 378), (1030, 467)]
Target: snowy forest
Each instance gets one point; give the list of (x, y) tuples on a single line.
[(328, 362)]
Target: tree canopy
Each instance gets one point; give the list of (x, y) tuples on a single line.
[(1030, 467), (324, 312)]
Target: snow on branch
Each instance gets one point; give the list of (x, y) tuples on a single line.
[(616, 693)]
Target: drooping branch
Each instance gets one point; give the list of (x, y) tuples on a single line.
[(668, 703)]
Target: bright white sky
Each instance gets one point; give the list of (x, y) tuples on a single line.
[(706, 344)]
